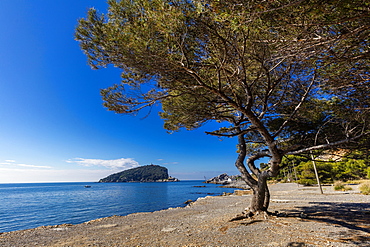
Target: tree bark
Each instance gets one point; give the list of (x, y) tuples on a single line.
[(261, 196), (266, 203)]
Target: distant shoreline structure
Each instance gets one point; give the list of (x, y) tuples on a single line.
[(228, 181)]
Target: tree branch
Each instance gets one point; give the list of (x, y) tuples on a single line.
[(326, 146), (296, 108)]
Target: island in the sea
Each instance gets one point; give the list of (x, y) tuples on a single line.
[(149, 173)]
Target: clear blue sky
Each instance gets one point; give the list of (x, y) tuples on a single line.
[(53, 126)]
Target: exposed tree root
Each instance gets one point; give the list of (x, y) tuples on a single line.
[(247, 214)]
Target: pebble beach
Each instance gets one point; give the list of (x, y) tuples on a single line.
[(304, 218)]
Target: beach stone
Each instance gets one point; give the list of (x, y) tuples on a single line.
[(242, 192), (106, 226), (168, 229), (188, 201)]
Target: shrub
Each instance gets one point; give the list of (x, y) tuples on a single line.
[(307, 182), (347, 188), (338, 185), (365, 188)]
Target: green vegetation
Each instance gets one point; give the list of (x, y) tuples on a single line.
[(354, 166), (150, 173), (365, 188), (339, 185)]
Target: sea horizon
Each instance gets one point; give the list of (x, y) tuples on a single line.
[(182, 180)]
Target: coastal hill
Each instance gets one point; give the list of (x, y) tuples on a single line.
[(149, 173)]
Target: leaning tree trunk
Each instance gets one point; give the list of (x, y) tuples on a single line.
[(261, 196), (266, 203)]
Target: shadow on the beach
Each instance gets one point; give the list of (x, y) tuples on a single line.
[(353, 216)]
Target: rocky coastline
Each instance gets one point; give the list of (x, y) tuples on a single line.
[(228, 181)]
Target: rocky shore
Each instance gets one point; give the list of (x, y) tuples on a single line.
[(305, 218), (228, 181)]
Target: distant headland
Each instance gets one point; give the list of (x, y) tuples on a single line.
[(149, 173)]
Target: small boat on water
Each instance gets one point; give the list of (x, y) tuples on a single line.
[(87, 186)]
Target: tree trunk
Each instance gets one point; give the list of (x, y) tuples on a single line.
[(261, 196), (266, 203)]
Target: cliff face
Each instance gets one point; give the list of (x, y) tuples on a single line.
[(150, 173)]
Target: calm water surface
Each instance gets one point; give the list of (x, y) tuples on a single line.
[(25, 206)]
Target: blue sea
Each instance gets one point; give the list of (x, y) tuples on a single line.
[(24, 206)]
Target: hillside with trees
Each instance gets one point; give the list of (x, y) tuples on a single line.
[(149, 173), (353, 166)]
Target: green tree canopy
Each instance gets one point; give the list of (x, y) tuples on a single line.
[(284, 77)]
